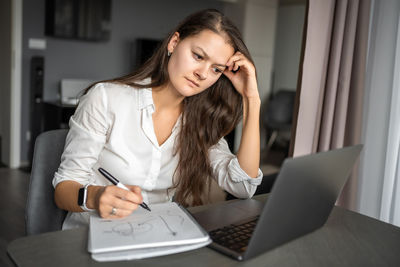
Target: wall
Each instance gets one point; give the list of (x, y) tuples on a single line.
[(289, 34), (64, 58), (259, 33), (257, 20), (5, 79), (273, 32)]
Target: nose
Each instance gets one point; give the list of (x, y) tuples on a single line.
[(201, 72)]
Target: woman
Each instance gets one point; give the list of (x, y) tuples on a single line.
[(160, 129)]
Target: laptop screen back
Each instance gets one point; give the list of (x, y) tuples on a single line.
[(302, 197)]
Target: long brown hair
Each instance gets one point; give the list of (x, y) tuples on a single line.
[(207, 116)]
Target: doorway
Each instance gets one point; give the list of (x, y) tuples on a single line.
[(10, 81)]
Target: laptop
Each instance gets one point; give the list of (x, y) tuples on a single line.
[(301, 200)]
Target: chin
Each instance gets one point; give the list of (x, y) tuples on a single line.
[(187, 91)]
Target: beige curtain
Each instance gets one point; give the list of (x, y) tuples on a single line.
[(331, 89)]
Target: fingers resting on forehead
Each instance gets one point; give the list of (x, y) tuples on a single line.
[(236, 61)]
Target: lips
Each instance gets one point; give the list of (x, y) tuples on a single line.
[(192, 82)]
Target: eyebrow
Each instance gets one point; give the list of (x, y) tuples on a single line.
[(206, 56)]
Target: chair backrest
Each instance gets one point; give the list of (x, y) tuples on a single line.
[(280, 109), (42, 214)]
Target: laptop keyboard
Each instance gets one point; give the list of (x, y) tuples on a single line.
[(235, 236)]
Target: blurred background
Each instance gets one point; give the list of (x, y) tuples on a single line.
[(65, 45), (52, 49)]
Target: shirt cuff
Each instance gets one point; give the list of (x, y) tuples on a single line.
[(58, 178), (238, 175)]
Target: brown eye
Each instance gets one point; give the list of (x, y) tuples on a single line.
[(197, 56), (218, 71)]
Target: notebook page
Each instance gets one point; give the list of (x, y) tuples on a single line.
[(166, 225)]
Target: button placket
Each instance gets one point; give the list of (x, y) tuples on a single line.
[(147, 125), (154, 168), (156, 162)]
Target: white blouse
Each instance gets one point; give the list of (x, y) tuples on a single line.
[(112, 128)]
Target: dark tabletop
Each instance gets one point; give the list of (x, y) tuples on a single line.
[(347, 239)]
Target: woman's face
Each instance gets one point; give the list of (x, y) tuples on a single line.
[(197, 61)]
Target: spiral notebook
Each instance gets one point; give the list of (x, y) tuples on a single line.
[(167, 229)]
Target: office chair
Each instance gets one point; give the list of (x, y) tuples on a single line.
[(41, 214), (278, 116)]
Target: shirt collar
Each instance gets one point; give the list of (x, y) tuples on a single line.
[(145, 96), (145, 100)]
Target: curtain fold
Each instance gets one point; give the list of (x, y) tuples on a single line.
[(390, 201), (316, 54), (330, 109)]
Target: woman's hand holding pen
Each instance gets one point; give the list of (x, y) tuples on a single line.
[(114, 202), (242, 73)]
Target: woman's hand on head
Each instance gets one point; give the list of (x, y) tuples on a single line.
[(123, 201), (242, 73)]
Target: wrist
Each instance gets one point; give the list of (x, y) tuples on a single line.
[(251, 90), (93, 192), (252, 102)]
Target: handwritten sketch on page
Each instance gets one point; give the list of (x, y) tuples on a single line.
[(134, 227), (166, 225)]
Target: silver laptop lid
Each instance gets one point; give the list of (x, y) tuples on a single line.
[(302, 197)]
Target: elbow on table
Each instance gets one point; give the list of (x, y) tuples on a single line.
[(246, 192)]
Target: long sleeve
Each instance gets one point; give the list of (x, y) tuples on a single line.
[(85, 139), (228, 173)]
